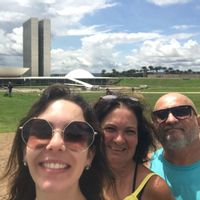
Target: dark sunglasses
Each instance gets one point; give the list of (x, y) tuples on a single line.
[(179, 112), (111, 97), (77, 135)]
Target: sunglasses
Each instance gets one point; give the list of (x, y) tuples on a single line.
[(78, 135), (179, 112), (111, 97)]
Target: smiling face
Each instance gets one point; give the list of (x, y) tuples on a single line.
[(55, 168), (121, 136), (176, 133)]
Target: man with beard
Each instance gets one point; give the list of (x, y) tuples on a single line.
[(177, 126)]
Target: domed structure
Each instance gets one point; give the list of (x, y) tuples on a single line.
[(12, 71), (79, 73)]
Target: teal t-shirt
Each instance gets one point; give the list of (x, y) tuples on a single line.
[(184, 181)]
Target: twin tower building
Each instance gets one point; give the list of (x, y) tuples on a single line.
[(37, 47)]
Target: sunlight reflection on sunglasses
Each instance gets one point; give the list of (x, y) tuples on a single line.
[(111, 96)]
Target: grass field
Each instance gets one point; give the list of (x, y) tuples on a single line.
[(163, 84), (12, 109)]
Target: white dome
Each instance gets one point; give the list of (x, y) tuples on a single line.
[(79, 73), (12, 71)]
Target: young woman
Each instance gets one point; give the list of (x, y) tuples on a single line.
[(128, 138), (58, 151)]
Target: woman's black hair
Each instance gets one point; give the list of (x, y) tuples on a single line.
[(22, 186), (145, 129)]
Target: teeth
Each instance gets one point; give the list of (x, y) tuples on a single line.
[(54, 165), (117, 149)]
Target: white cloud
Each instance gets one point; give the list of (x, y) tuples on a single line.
[(99, 47), (168, 2), (11, 43), (183, 27), (110, 39), (67, 14), (181, 36), (100, 52), (83, 31), (65, 61), (79, 8), (65, 20), (11, 47), (167, 53), (64, 15), (9, 16)]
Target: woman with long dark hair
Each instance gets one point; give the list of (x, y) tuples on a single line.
[(58, 151), (128, 139)]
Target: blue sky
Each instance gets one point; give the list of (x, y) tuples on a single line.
[(107, 34)]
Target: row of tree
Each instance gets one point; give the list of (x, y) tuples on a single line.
[(144, 71)]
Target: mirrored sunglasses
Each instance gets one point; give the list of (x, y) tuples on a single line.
[(179, 112), (77, 135)]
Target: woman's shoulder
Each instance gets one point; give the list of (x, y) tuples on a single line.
[(157, 188)]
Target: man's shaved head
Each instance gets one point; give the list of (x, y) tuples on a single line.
[(173, 99)]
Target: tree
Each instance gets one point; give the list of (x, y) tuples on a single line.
[(114, 72), (144, 69), (103, 72), (151, 68)]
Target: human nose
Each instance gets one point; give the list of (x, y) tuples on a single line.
[(56, 143), (171, 118), (119, 138)]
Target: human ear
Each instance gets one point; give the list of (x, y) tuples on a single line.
[(198, 120), (90, 156)]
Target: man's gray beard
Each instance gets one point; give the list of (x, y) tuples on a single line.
[(172, 144)]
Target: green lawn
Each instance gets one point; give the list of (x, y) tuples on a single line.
[(12, 109), (163, 84)]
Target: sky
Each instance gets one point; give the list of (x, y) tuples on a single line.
[(98, 35)]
